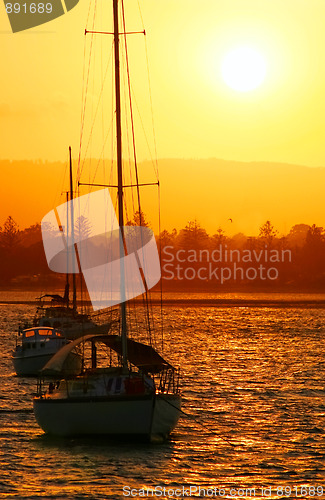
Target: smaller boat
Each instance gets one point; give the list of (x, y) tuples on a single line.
[(36, 346), (72, 323), (62, 313)]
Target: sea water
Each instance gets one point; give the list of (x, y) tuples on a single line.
[(253, 384)]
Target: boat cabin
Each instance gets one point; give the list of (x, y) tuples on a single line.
[(39, 336), (40, 333)]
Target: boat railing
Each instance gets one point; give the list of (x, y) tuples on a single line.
[(47, 386), (40, 391), (110, 316), (168, 381)]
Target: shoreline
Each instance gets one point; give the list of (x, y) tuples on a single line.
[(217, 303)]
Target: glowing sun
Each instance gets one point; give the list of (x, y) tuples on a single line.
[(243, 69)]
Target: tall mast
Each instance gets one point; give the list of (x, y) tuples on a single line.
[(120, 179), (67, 284), (74, 287)]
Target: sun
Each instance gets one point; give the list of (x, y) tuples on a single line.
[(243, 69)]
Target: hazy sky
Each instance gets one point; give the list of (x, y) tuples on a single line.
[(196, 114)]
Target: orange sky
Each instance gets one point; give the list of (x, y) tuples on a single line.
[(196, 115), (248, 193)]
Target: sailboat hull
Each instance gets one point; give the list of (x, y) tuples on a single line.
[(150, 417)]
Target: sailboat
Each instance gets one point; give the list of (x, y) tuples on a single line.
[(66, 318), (62, 314), (54, 326), (136, 393)]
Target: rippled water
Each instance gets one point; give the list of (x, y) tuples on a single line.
[(253, 382)]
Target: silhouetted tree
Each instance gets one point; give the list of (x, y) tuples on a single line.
[(239, 240), (313, 260), (139, 219), (167, 238), (22, 254), (82, 228), (219, 238), (315, 236), (297, 235), (193, 236), (31, 235), (10, 261), (9, 236), (267, 233)]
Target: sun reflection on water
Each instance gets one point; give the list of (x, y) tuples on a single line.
[(253, 385)]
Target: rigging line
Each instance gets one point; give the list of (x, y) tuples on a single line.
[(89, 12), (140, 13), (96, 111), (197, 421), (135, 156), (110, 177), (145, 136), (161, 278), (155, 161), (127, 142), (111, 124), (78, 254), (101, 155), (82, 95), (103, 113), (193, 418), (92, 115), (131, 111), (152, 114), (144, 296), (61, 191), (85, 91)]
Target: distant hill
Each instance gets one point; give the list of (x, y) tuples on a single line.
[(212, 191)]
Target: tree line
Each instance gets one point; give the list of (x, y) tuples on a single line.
[(200, 255)]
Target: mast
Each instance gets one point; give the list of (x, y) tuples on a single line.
[(74, 287), (120, 180), (67, 284)]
